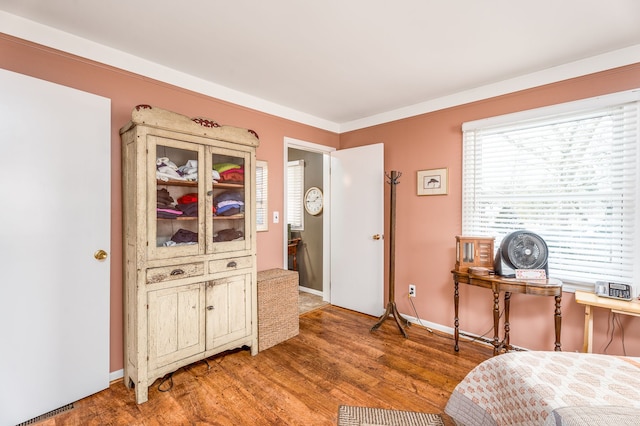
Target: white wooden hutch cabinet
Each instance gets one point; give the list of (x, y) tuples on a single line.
[(189, 242)]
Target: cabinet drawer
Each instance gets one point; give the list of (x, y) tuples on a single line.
[(175, 272), (230, 264)]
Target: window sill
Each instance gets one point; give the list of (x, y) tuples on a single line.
[(569, 286)]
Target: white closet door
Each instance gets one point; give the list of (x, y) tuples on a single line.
[(55, 192), (357, 226)]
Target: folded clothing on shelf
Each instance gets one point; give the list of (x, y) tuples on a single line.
[(227, 235), (229, 203), (229, 172)]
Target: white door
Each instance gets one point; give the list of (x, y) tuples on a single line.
[(55, 190), (357, 226)]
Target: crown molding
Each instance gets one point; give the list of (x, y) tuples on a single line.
[(60, 40)]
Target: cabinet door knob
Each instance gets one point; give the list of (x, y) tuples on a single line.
[(377, 237), (177, 272), (210, 308), (232, 264), (100, 255)]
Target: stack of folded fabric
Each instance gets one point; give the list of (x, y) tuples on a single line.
[(167, 170), (189, 171), (185, 236), (166, 205), (229, 172), (182, 237), (227, 235), (188, 204), (229, 203)]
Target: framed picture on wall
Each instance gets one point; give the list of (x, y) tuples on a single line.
[(433, 182)]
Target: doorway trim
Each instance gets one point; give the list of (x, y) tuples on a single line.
[(326, 215)]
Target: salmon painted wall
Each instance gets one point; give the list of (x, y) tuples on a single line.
[(426, 226), (126, 90)]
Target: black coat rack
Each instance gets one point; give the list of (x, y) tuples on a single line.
[(392, 310)]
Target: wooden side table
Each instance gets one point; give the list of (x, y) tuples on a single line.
[(589, 300), (547, 287), (293, 251)]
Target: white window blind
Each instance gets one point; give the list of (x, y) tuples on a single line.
[(295, 193), (262, 193), (570, 177)]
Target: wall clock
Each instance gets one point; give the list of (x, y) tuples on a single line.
[(313, 200)]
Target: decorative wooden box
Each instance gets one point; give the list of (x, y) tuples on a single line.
[(474, 252)]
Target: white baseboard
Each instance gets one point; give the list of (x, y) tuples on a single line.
[(311, 291), (429, 325), (464, 335), (116, 375)]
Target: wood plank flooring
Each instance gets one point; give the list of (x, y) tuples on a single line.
[(334, 361)]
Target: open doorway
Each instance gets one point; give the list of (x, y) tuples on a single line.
[(352, 182), (311, 239), (305, 236)]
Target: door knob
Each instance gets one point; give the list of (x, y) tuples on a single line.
[(377, 237), (100, 255)]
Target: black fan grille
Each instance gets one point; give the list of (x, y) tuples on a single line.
[(526, 251)]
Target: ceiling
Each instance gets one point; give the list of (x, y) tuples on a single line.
[(340, 64)]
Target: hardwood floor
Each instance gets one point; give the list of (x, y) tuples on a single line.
[(335, 360)]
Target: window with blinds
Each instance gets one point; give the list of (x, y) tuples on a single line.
[(567, 173), (295, 193), (262, 199)]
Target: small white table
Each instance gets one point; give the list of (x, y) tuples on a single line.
[(625, 307)]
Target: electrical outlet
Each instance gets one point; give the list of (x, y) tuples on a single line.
[(412, 290)]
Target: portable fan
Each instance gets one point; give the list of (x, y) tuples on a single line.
[(521, 250)]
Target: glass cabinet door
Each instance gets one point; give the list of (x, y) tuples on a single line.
[(176, 204), (231, 198)]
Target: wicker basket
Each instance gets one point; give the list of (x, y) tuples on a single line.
[(278, 318)]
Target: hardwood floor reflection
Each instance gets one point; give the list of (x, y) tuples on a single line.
[(335, 360)]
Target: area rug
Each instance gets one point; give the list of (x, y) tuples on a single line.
[(365, 416)]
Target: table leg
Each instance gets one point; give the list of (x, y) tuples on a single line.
[(558, 321), (588, 330), (496, 320), (456, 301), (507, 327)]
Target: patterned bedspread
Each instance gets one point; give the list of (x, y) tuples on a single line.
[(549, 388)]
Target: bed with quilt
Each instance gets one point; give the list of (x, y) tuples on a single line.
[(549, 388)]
